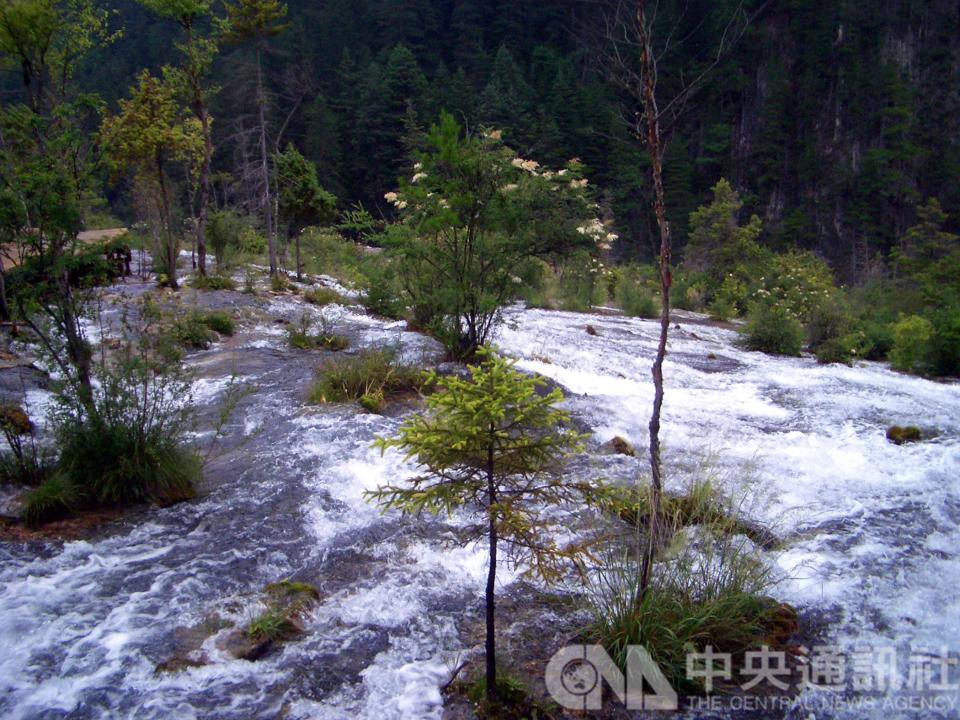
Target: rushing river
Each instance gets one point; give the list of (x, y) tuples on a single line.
[(873, 543)]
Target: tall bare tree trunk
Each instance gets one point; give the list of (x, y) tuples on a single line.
[(654, 143), (167, 222), (491, 643), (265, 168)]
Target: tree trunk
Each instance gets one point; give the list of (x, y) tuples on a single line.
[(654, 143), (299, 264), (167, 222), (4, 307), (265, 168), (204, 191), (77, 349), (491, 580)]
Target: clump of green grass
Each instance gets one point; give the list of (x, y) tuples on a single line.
[(279, 283), (300, 336), (110, 463), (198, 329), (371, 378), (212, 282), (55, 498), (272, 625), (709, 584), (323, 296)]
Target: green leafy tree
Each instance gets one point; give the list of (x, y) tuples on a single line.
[(191, 78), (46, 183), (148, 134), (256, 22), (492, 445), (301, 200), (473, 217)]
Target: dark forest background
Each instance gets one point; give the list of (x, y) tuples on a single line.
[(833, 119)]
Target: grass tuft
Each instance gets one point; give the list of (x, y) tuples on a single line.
[(54, 499), (371, 378)]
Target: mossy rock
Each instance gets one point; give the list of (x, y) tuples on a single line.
[(14, 420), (901, 435), (618, 446), (287, 589)]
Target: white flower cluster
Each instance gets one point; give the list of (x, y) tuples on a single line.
[(395, 200), (596, 230), (529, 165)]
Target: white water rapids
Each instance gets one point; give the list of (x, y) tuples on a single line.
[(873, 529)]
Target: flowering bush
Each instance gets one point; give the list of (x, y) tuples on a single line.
[(473, 219)]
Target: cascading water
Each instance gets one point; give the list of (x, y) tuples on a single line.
[(872, 528)]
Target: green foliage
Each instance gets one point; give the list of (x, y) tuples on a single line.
[(272, 625), (279, 283), (197, 329), (328, 253), (911, 351), (27, 463), (212, 282), (707, 589), (727, 253), (773, 328), (372, 376), (150, 132), (491, 445), (383, 289), (635, 293), (300, 336), (128, 444), (491, 438), (219, 321), (301, 200), (472, 215), (112, 465), (56, 498), (224, 233), (324, 296)]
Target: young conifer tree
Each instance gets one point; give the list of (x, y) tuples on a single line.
[(490, 445)]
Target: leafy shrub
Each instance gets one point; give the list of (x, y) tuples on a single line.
[(911, 349), (635, 295), (581, 283), (384, 294), (827, 321), (56, 498), (213, 282), (772, 328), (27, 463), (721, 309), (223, 231), (127, 442), (196, 328), (192, 332), (219, 321), (372, 376), (323, 296), (945, 348), (834, 350)]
